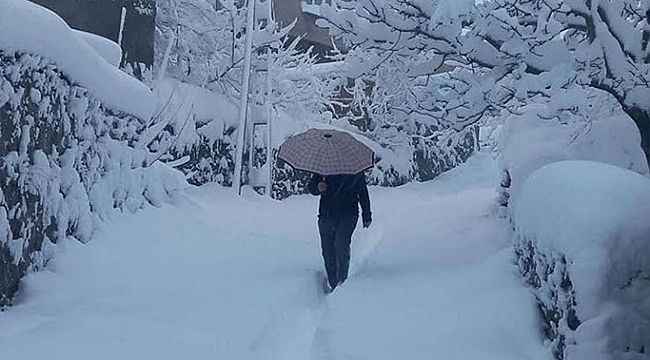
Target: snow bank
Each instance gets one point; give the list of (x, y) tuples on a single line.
[(107, 49), (582, 234), (535, 137), (67, 162), (193, 130), (30, 28)]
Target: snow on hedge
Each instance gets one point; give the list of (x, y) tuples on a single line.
[(537, 136), (596, 218), (107, 49), (30, 28)]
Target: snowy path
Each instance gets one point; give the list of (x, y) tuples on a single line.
[(220, 277)]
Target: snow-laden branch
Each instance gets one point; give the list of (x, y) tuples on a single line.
[(529, 49)]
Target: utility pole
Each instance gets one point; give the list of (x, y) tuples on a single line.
[(243, 104), (269, 111), (121, 33)]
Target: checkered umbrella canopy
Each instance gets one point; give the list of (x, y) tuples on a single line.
[(326, 152)]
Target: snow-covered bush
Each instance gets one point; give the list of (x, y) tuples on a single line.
[(287, 181), (582, 236), (70, 151), (420, 158), (193, 131), (505, 53), (66, 161), (577, 124)]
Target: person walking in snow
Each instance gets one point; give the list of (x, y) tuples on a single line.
[(338, 213)]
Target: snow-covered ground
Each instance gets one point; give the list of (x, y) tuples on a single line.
[(214, 276)]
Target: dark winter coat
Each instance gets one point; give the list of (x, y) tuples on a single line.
[(342, 197)]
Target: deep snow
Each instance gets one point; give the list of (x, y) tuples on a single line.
[(214, 276), (533, 138), (596, 216), (88, 60)]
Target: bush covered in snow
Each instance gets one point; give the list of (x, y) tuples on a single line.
[(577, 124), (582, 236), (66, 161), (195, 131), (71, 126), (563, 210), (417, 160)]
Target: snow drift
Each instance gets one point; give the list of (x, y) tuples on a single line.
[(70, 156), (536, 137), (582, 237), (30, 28), (107, 49)]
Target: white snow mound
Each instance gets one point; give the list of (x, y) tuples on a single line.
[(527, 142), (598, 216), (106, 48), (27, 27)]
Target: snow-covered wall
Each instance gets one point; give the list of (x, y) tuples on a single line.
[(70, 155), (582, 236), (575, 188), (66, 161)]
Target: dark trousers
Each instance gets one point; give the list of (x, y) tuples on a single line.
[(335, 238)]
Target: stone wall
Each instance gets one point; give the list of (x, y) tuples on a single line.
[(66, 161)]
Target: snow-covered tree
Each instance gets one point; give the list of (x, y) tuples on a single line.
[(505, 52), (202, 43), (575, 64)]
